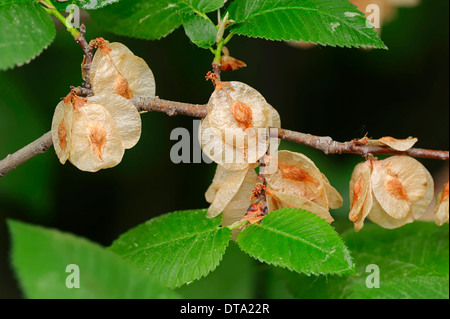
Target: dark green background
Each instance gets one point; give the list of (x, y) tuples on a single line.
[(325, 91)]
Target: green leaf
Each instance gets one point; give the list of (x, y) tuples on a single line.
[(26, 30), (413, 262), (149, 20), (327, 22), (420, 287), (177, 248), (40, 258), (201, 31), (297, 240), (235, 278), (205, 6), (83, 4)]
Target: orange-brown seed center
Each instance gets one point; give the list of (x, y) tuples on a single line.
[(395, 188), (242, 114), (295, 173), (62, 135), (445, 193), (387, 139), (357, 191), (97, 138), (122, 88)]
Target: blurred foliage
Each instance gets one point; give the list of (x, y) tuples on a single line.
[(42, 257), (408, 267), (342, 93)]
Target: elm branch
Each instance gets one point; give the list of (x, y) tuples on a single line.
[(171, 108)]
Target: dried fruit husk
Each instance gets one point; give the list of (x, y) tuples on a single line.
[(397, 183), (242, 200), (96, 142), (360, 194), (232, 156), (391, 192), (335, 199), (379, 216), (121, 72), (62, 130), (278, 200), (298, 175), (223, 189), (220, 107), (419, 207), (228, 63), (441, 210), (116, 51), (235, 126), (396, 144)]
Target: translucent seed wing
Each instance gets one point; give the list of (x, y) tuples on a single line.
[(442, 207), (298, 175), (96, 143), (360, 195), (117, 49), (397, 182), (139, 77), (226, 192), (379, 216), (396, 144), (335, 199), (214, 144), (292, 201), (221, 101), (62, 130), (419, 207), (221, 177), (125, 115), (240, 203)]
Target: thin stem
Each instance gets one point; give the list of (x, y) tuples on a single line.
[(217, 67), (88, 58), (327, 145), (50, 8), (228, 38), (39, 146), (218, 53), (238, 224)]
